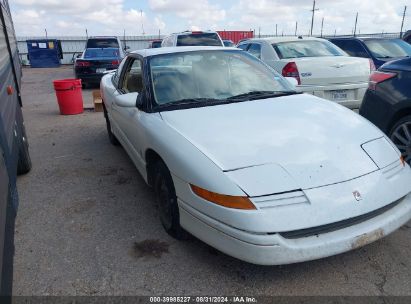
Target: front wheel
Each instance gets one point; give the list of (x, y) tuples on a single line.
[(401, 137), (167, 202), (24, 160)]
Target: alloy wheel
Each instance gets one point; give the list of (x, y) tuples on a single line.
[(401, 137)]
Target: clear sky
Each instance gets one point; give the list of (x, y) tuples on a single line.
[(111, 17)]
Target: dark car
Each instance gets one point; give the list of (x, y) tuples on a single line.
[(101, 54), (14, 153), (155, 44), (407, 37), (387, 103), (228, 43), (380, 50)]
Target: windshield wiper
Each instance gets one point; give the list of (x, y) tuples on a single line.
[(189, 101), (261, 95)]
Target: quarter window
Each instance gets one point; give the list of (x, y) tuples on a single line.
[(243, 46), (132, 79), (255, 50), (352, 47)]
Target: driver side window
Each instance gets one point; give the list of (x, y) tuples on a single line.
[(132, 79)]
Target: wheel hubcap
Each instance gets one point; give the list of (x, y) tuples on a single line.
[(402, 139)]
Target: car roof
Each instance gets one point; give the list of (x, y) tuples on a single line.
[(102, 37), (180, 49), (282, 39), (191, 32), (362, 38)]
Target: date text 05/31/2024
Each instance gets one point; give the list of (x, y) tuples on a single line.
[(203, 299)]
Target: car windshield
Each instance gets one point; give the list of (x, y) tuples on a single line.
[(388, 48), (101, 53), (94, 43), (199, 39), (213, 76), (307, 48)]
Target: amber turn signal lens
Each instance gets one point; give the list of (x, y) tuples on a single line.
[(402, 160), (234, 202)]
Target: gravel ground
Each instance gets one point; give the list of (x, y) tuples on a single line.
[(88, 225)]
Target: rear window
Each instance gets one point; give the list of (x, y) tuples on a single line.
[(203, 39), (313, 48), (100, 43), (101, 53), (388, 48)]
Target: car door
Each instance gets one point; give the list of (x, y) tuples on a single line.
[(126, 115)]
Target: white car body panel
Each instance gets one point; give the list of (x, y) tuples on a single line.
[(304, 162), (321, 76), (307, 144)]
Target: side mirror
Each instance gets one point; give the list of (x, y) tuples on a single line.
[(292, 81), (128, 100)]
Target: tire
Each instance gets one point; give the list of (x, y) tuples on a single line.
[(167, 202), (24, 161), (401, 136), (8, 254), (113, 139)]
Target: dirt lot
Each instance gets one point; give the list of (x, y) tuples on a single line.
[(88, 225)]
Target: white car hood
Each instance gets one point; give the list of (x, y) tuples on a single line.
[(308, 142)]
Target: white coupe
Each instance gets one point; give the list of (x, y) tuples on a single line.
[(320, 67), (243, 162)]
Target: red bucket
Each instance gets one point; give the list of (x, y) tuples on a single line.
[(69, 96)]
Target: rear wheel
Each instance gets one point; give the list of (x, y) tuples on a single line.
[(401, 137), (24, 160), (167, 202), (113, 139)]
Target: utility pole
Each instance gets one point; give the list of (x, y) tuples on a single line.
[(159, 33), (259, 32), (355, 26), (312, 19), (142, 24), (335, 32), (403, 18), (45, 30), (124, 37), (322, 26), (86, 34), (296, 27), (276, 33)]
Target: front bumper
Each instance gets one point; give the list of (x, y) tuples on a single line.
[(273, 249), (354, 102)]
